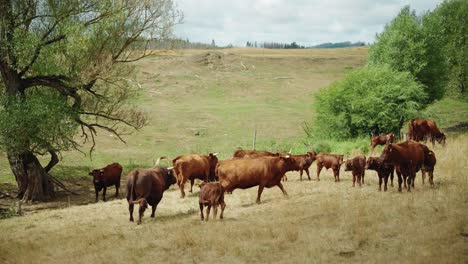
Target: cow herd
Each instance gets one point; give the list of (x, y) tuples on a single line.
[(249, 168)]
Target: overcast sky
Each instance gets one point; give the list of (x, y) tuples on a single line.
[(308, 22)]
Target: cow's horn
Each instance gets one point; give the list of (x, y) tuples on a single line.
[(290, 150), (170, 168), (216, 153)]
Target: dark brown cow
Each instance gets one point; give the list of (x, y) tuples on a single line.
[(105, 177), (303, 162), (420, 129), (408, 157), (253, 154), (146, 186), (247, 173), (382, 140), (329, 161), (357, 166), (211, 195), (194, 166), (383, 170)]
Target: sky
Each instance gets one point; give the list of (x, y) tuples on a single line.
[(308, 22)]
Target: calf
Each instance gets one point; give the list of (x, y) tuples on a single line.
[(428, 165), (382, 140), (383, 170), (146, 186), (329, 161), (105, 177), (303, 162), (357, 166), (211, 194)]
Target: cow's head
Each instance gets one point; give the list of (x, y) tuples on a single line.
[(213, 161), (340, 159), (289, 162), (171, 179), (312, 155), (348, 164), (387, 151), (371, 163), (98, 176), (441, 138)]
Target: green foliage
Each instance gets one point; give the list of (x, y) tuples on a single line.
[(452, 20), (41, 122), (412, 43), (368, 101)]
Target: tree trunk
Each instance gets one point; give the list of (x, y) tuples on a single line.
[(34, 184)]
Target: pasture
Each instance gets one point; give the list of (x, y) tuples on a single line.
[(212, 101)]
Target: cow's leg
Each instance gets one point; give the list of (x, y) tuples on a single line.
[(260, 190), (104, 194), (319, 168), (431, 177), (362, 176), (336, 173), (423, 172), (192, 181), (300, 174), (223, 205), (97, 193), (354, 179), (385, 182), (399, 181), (208, 212), (130, 209), (380, 184), (391, 178), (117, 187), (153, 210), (143, 205), (282, 189), (182, 184), (201, 211), (215, 210), (308, 175)]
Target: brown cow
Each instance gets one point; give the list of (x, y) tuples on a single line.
[(146, 186), (329, 161), (382, 140), (105, 177), (303, 162), (383, 170), (247, 173), (211, 194), (357, 166), (194, 166), (408, 157), (253, 154), (420, 129)]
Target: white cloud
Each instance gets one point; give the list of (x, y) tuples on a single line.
[(308, 22)]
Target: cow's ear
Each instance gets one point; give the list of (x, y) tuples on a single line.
[(90, 174)]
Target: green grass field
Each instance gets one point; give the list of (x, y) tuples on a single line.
[(212, 101)]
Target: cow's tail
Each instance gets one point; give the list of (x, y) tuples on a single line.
[(410, 130), (132, 187)]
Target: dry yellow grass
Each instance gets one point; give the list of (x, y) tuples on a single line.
[(320, 222)]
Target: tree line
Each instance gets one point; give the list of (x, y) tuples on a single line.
[(294, 45)]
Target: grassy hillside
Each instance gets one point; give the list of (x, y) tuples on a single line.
[(213, 100), (320, 222)]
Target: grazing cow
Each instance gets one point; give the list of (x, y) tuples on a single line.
[(247, 173), (408, 157), (382, 140), (194, 166), (211, 195), (383, 170), (146, 186), (357, 166), (420, 129), (303, 162), (105, 177), (253, 154), (329, 161)]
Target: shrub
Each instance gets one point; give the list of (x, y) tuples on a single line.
[(370, 100)]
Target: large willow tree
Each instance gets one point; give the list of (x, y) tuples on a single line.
[(64, 75)]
